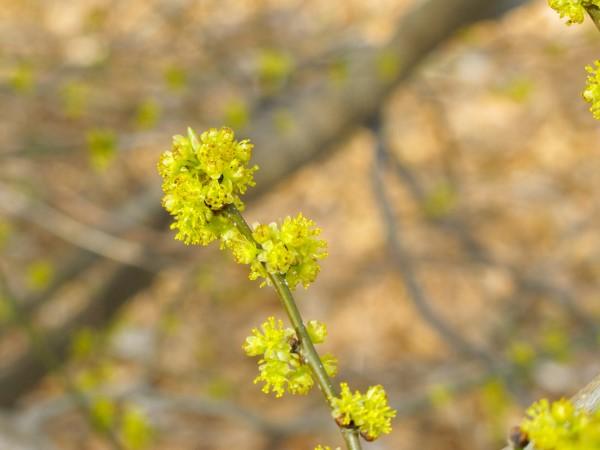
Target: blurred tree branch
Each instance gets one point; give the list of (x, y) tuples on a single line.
[(462, 230), (45, 355), (320, 115), (33, 419), (15, 204), (123, 219), (402, 261)]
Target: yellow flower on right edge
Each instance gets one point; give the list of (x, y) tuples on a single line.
[(591, 94), (560, 426), (573, 10)]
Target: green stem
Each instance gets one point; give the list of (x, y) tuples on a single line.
[(352, 438), (594, 13), (312, 358)]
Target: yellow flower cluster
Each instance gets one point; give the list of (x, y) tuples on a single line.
[(573, 10), (591, 94), (560, 426), (291, 250), (369, 412), (281, 366), (202, 174)]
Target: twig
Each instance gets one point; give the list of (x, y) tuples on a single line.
[(21, 374), (416, 293), (125, 217), (594, 13), (309, 352), (71, 269), (479, 253), (155, 402)]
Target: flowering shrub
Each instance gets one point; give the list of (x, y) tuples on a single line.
[(203, 179)]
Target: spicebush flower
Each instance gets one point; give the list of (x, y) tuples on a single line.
[(369, 412), (591, 94), (573, 10), (317, 331), (291, 250), (281, 367), (560, 426), (200, 176)]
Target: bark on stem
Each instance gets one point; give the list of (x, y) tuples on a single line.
[(309, 352), (594, 13)]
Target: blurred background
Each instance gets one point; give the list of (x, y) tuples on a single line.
[(442, 146)]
